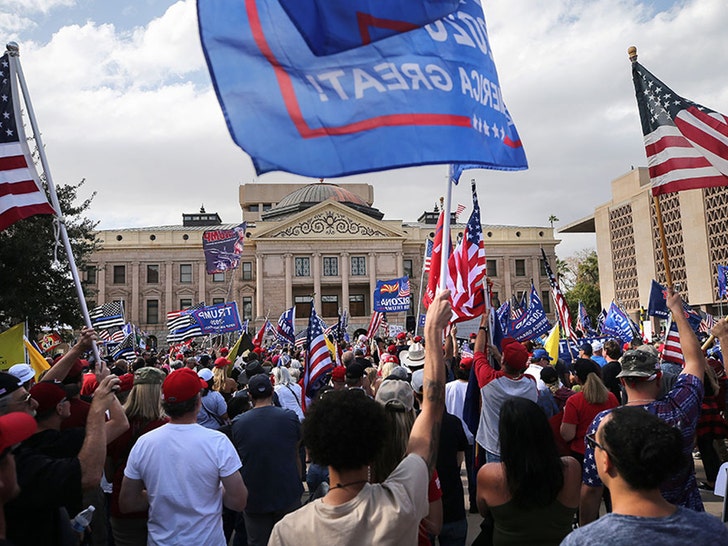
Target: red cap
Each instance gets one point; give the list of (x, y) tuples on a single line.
[(515, 355), (417, 339), (466, 362), (389, 358), (401, 336), (48, 394), (179, 356), (224, 351), (338, 374), (14, 428), (392, 350), (182, 385), (221, 362), (126, 382)]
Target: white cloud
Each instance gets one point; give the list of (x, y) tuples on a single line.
[(134, 112), (36, 6)]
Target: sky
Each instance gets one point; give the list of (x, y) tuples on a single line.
[(124, 100)]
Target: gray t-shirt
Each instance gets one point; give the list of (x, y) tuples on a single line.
[(683, 527)]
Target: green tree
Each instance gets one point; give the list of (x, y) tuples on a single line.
[(584, 266), (553, 219), (33, 286)]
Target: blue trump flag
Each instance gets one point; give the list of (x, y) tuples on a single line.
[(618, 324), (286, 331), (332, 26), (428, 96), (657, 306), (217, 319), (532, 323), (222, 248)]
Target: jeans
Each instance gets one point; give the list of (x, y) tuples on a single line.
[(454, 533), (491, 457)]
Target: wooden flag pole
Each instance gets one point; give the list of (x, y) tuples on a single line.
[(14, 56), (663, 241)]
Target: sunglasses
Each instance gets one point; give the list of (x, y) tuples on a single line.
[(637, 355), (24, 400)]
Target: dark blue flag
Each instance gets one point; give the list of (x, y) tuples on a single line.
[(722, 281), (222, 248), (392, 296), (428, 96), (532, 323), (657, 306), (619, 325), (286, 331), (332, 26)]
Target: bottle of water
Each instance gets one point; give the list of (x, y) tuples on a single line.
[(83, 519)]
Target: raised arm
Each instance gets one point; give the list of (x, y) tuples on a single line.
[(425, 435), (720, 331), (93, 450), (60, 369), (694, 359)]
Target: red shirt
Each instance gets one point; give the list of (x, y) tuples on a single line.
[(581, 413), (434, 492)]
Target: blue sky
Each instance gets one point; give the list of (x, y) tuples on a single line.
[(124, 100)]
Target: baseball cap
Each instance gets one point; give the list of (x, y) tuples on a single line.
[(396, 395), (597, 345), (515, 355), (224, 351), (539, 354), (355, 370), (8, 383), (639, 363), (14, 428), (126, 382), (401, 336), (182, 385), (48, 394), (205, 374), (338, 374), (260, 386), (221, 362), (22, 372), (466, 362), (148, 376), (418, 380)]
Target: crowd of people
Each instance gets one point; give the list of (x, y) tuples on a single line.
[(189, 447)]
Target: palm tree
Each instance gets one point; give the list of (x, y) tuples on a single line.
[(553, 219)]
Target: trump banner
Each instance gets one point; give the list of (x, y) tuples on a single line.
[(392, 296), (223, 248), (427, 96), (217, 319)]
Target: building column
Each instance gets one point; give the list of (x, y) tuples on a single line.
[(345, 269), (259, 311), (134, 292), (101, 283), (202, 272), (170, 305), (317, 281), (507, 277), (372, 279), (289, 280), (400, 265), (537, 274)]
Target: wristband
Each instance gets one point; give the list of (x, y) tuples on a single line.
[(483, 328)]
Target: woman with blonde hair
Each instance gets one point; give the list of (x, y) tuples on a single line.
[(581, 408), (143, 408), (220, 381)]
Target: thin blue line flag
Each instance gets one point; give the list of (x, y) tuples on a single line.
[(427, 96)]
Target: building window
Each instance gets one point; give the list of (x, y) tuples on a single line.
[(216, 301), (152, 274), (152, 311), (358, 266), (91, 274), (407, 267), (546, 300), (356, 305), (543, 267), (303, 306), (520, 268), (185, 303), (185, 273), (495, 300), (218, 277), (303, 267), (253, 208), (267, 206), (247, 307), (119, 274), (491, 269), (247, 271), (329, 306), (331, 266)]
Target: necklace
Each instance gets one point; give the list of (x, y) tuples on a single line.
[(343, 485), (645, 400)]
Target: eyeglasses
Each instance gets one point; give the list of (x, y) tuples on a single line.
[(592, 441), (24, 400)]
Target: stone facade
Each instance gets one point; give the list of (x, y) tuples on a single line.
[(332, 252)]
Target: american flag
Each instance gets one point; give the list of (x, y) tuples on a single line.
[(686, 143), (318, 358), (125, 348), (460, 209), (374, 323), (672, 350), (583, 322), (562, 309), (182, 326), (433, 279), (21, 194), (258, 339), (707, 323), (428, 256), (107, 315), (466, 267)]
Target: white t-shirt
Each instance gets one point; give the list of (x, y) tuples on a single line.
[(455, 401), (386, 514), (290, 398), (181, 467), (534, 370)]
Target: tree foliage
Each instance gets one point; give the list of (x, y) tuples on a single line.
[(583, 273), (33, 287)]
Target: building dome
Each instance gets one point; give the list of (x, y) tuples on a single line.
[(313, 194)]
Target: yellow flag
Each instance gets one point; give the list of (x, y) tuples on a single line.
[(330, 346), (233, 353), (11, 346), (37, 362), (552, 343)]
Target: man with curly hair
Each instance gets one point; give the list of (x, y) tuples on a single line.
[(344, 430)]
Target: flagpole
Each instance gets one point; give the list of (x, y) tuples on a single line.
[(422, 280), (445, 255), (14, 56)]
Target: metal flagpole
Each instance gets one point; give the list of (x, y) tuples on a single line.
[(445, 254), (422, 280), (14, 56)]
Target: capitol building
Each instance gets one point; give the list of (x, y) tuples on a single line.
[(317, 242)]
